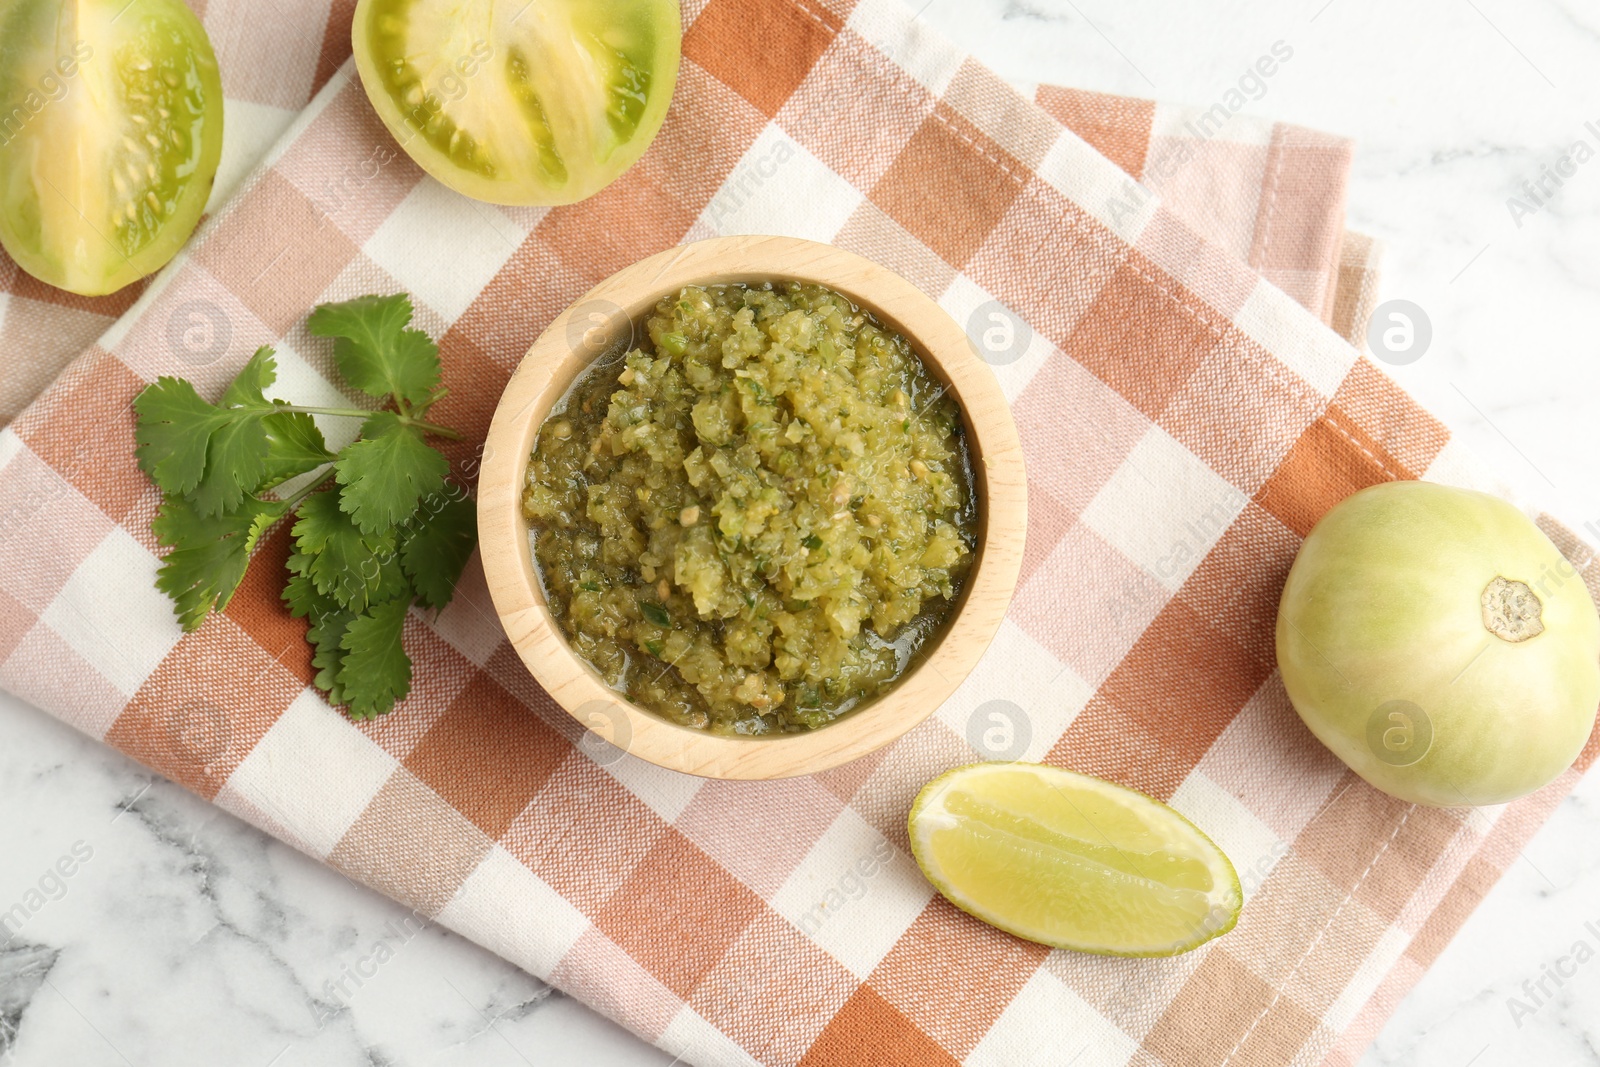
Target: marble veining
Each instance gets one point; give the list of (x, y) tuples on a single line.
[(23, 971), (186, 937)]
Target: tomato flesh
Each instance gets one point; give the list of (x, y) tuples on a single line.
[(111, 141), (1440, 645), (542, 102)]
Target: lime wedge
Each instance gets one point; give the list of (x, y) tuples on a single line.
[(1072, 861)]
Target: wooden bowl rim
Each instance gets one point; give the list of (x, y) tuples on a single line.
[(548, 370)]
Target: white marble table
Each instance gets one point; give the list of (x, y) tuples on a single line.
[(188, 938)]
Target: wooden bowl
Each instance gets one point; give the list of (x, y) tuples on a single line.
[(608, 314)]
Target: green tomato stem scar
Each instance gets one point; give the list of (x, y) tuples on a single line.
[(1511, 611)]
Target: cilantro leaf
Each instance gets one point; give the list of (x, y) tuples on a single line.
[(265, 517), (299, 593), (328, 623), (386, 473), (376, 671), (323, 524), (213, 453), (339, 560), (236, 464), (438, 549), (294, 447), (375, 351), (175, 427), (236, 460), (249, 387), (327, 630), (392, 582), (209, 553)]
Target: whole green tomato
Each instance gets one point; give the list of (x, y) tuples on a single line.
[(1440, 645)]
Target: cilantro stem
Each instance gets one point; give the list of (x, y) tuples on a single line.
[(356, 413), (306, 490), (433, 428), (353, 413)]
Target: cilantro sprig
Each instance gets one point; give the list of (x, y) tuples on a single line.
[(377, 525)]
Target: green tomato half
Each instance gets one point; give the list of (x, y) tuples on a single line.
[(110, 134), (528, 102), (1440, 645)]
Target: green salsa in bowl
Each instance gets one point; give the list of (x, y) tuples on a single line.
[(753, 520), (767, 523)]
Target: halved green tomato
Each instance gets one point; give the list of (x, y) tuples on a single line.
[(110, 132), (521, 101)]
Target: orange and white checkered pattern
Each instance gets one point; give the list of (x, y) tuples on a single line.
[(1185, 423)]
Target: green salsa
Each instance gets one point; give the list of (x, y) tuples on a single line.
[(753, 522)]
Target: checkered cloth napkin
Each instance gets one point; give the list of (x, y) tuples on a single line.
[(1184, 421), (1271, 193)]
